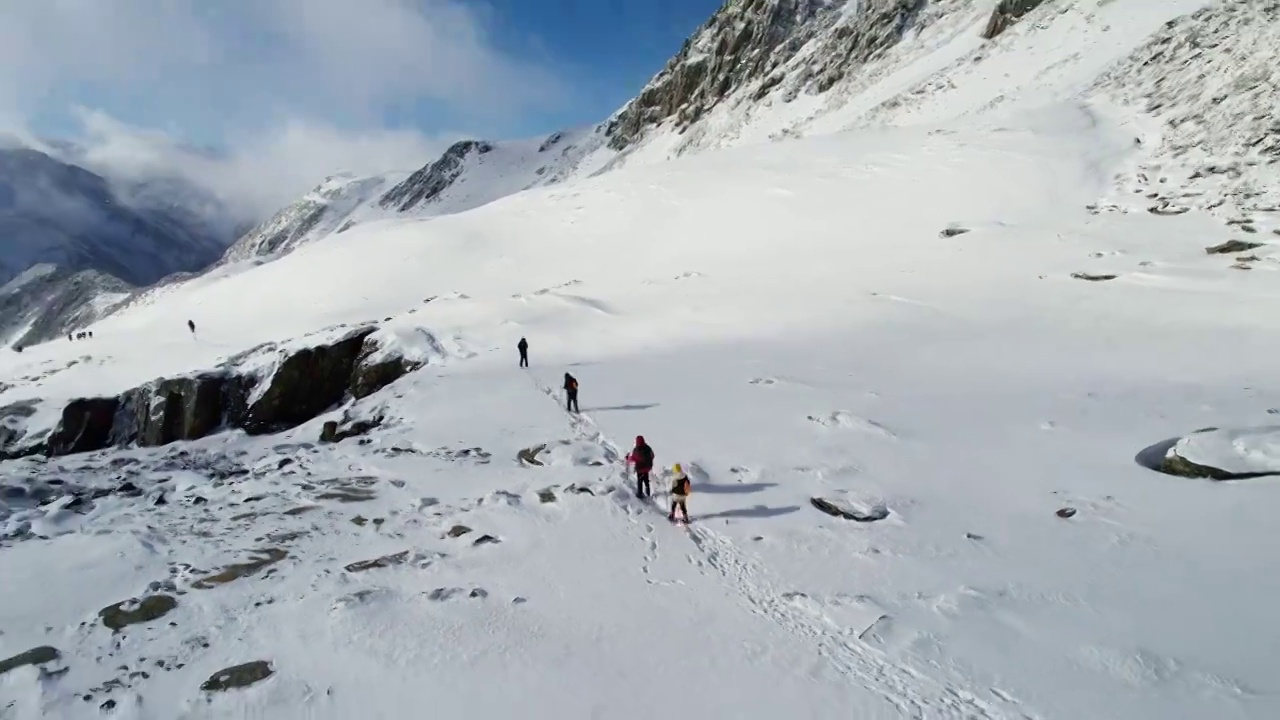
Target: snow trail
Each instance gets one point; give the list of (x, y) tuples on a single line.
[(912, 693)]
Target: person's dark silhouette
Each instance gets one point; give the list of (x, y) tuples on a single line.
[(192, 325), (571, 393), (642, 457), (523, 347)]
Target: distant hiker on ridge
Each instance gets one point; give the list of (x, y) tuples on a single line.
[(680, 489), (642, 456), (523, 347), (571, 393)]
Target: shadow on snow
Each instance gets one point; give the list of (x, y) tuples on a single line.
[(759, 511)]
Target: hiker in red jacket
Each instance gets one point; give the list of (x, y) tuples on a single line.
[(571, 393), (642, 456)]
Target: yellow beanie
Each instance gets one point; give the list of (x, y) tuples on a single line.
[(676, 469)]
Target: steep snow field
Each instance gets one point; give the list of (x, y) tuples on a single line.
[(788, 321)]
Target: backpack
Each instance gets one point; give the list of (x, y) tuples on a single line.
[(573, 383), (644, 456), (682, 486)]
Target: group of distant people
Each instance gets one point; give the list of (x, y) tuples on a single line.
[(641, 456), (88, 334)]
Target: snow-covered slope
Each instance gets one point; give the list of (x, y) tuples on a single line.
[(796, 326), (321, 212), (46, 300), (468, 174), (921, 382)]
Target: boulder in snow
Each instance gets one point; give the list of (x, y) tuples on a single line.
[(238, 676), (133, 612), (1219, 454), (845, 512), (1232, 246), (34, 656)]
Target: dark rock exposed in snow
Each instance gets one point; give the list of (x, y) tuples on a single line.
[(238, 676), (1232, 246), (306, 383), (847, 513), (1006, 14), (134, 612), (86, 425), (186, 408), (34, 656)]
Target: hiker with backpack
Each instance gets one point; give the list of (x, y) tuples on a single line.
[(642, 457), (523, 347), (680, 489), (571, 393)]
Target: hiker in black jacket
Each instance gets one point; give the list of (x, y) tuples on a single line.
[(571, 393), (523, 347)]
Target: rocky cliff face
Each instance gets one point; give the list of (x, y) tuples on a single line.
[(753, 49), (303, 384), (743, 42), (427, 183)]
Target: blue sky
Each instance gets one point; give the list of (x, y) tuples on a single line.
[(595, 53), (293, 90)]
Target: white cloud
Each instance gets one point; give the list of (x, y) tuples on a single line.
[(295, 89), (263, 171)]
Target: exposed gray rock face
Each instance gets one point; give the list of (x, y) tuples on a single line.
[(427, 183), (186, 408), (1007, 13), (375, 370), (306, 383), (86, 426), (764, 46), (742, 42)]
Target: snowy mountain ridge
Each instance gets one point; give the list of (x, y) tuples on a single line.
[(100, 233)]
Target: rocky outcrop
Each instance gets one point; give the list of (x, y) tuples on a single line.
[(428, 182), (845, 512), (376, 368), (751, 49), (305, 384), (34, 656), (238, 676), (85, 426), (133, 612), (1231, 247), (1175, 464), (1006, 14), (186, 408), (13, 426), (744, 41)]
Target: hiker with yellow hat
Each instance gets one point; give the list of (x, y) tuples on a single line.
[(680, 488)]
